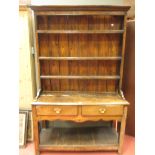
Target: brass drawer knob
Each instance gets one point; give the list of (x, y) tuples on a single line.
[(102, 110), (57, 110)]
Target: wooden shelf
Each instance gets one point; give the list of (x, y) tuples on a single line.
[(85, 137), (80, 58), (77, 77), (80, 13), (84, 98), (80, 31)]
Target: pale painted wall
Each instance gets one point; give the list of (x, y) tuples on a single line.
[(77, 2), (25, 75)]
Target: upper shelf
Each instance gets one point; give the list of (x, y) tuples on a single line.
[(80, 58), (81, 31), (80, 77)]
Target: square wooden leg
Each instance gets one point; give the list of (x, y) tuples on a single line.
[(122, 131), (36, 131), (36, 137)]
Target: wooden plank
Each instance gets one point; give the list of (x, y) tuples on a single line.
[(79, 58), (36, 131), (54, 52), (63, 51), (112, 67), (102, 50), (122, 130), (103, 138), (46, 137), (80, 119), (69, 136), (73, 23), (44, 65), (82, 148), (112, 85), (82, 43), (73, 52), (85, 137), (113, 22), (63, 66), (80, 31), (54, 65), (92, 65), (73, 65), (123, 53), (128, 85), (79, 13), (83, 98), (42, 22), (53, 23), (76, 7), (92, 48), (44, 50), (77, 77)]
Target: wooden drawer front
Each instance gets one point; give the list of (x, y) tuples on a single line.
[(102, 110), (56, 110)]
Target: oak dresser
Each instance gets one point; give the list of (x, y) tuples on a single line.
[(79, 57)]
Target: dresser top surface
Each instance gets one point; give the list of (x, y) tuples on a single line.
[(79, 99)]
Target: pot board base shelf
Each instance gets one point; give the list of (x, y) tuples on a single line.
[(77, 139)]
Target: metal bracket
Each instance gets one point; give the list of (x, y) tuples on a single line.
[(32, 51), (122, 94)]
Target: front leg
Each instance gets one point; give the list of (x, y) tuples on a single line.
[(122, 131), (35, 131)]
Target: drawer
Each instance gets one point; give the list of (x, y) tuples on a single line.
[(102, 110), (57, 110)]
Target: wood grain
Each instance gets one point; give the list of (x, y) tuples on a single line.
[(76, 139), (81, 56), (73, 48), (102, 110), (36, 130), (60, 98), (71, 43), (66, 46), (123, 52), (122, 130), (83, 31), (128, 85), (54, 110)]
